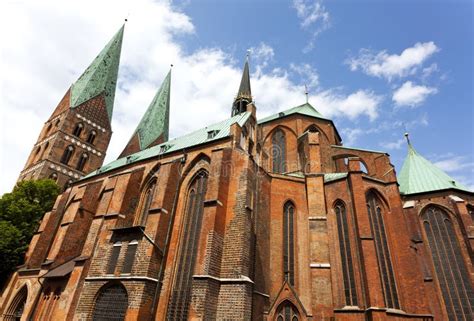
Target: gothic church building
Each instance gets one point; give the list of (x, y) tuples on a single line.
[(247, 219)]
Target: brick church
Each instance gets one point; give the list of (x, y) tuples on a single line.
[(246, 219)]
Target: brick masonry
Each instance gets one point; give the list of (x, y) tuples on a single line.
[(238, 273)]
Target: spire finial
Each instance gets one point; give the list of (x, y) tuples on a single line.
[(306, 92), (248, 54), (407, 137)]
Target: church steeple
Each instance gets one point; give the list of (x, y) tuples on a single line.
[(153, 127), (100, 76), (244, 95), (75, 138)]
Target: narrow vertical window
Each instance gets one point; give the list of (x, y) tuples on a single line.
[(288, 243), (67, 154), (78, 130), (129, 256), (181, 294), (346, 255), (82, 162), (114, 257), (383, 255), (150, 191), (111, 303), (279, 151), (91, 137), (451, 271)]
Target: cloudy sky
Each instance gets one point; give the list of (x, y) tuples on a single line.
[(377, 69)]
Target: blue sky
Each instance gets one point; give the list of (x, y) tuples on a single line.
[(375, 67)]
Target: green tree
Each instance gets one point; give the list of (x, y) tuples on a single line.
[(20, 213)]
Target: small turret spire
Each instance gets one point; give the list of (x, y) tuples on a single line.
[(154, 125), (101, 76), (244, 95)]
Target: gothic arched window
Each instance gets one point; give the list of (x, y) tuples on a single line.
[(451, 271), (346, 255), (15, 311), (312, 129), (91, 137), (279, 151), (111, 303), (288, 242), (181, 293), (67, 154), (82, 162), (377, 227), (78, 130), (146, 203), (287, 312)]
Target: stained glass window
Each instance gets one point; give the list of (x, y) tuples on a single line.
[(288, 243), (178, 307), (111, 303), (279, 151), (383, 254)]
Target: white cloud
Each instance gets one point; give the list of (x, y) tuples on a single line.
[(50, 49), (361, 102), (314, 18), (262, 55), (455, 164), (412, 95), (384, 65), (307, 72), (428, 71), (351, 135), (393, 145)]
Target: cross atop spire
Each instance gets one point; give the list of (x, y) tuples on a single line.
[(100, 76), (154, 125), (244, 95)]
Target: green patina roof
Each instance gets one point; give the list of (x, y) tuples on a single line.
[(305, 109), (155, 121), (418, 175), (329, 177), (220, 130), (360, 149), (100, 76)]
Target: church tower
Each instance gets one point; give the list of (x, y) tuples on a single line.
[(75, 138)]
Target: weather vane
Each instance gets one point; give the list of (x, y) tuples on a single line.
[(306, 92)]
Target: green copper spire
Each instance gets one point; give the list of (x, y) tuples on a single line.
[(244, 88), (153, 127), (244, 95), (418, 175), (100, 76)]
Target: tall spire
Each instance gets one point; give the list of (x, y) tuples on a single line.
[(418, 175), (244, 95), (100, 76), (154, 125)]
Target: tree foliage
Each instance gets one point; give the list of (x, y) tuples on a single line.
[(20, 213)]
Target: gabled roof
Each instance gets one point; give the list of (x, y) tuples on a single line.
[(154, 125), (305, 109), (204, 135), (418, 175), (100, 76)]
